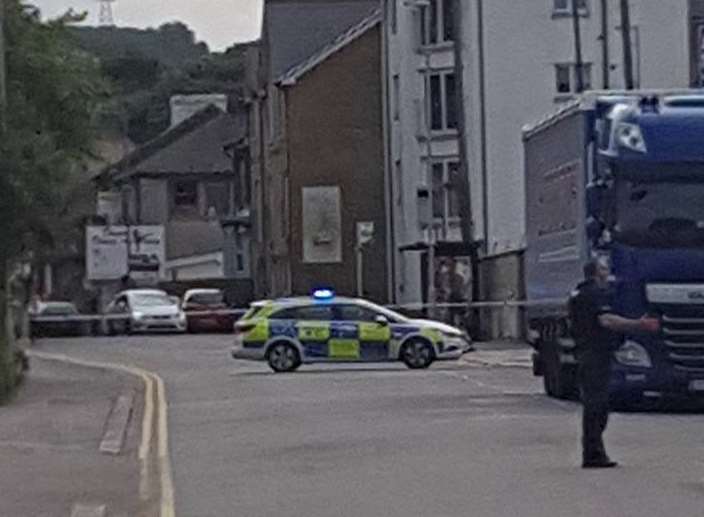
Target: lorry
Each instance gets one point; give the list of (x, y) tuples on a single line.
[(619, 175)]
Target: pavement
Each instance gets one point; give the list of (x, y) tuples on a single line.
[(507, 354), (50, 436), (473, 437)]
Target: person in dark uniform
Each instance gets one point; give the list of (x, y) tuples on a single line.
[(598, 332)]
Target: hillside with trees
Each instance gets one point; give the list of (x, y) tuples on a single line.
[(148, 66)]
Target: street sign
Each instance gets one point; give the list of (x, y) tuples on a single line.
[(115, 251), (365, 232)]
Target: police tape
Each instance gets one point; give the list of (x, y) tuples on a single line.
[(548, 302), (239, 312), (125, 317)]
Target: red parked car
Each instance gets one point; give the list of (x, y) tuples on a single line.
[(206, 311)]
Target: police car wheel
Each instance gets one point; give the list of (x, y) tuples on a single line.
[(417, 354), (283, 357)]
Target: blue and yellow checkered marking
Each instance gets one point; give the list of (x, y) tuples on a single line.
[(343, 340)]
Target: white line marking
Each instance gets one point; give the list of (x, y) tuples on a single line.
[(85, 510)]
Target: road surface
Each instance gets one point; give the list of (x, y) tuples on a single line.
[(380, 440)]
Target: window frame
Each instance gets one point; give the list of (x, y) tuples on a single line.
[(338, 308), (435, 26), (566, 12), (191, 183), (294, 311), (445, 192), (445, 102), (587, 69), (396, 82)]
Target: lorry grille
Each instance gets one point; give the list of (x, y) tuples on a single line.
[(683, 333)]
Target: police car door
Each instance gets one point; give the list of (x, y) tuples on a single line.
[(313, 327), (372, 337)]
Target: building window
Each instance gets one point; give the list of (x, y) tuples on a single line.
[(397, 97), (564, 7), (399, 183), (394, 16), (446, 202), (566, 78), (437, 22), (218, 198), (443, 109), (186, 194)]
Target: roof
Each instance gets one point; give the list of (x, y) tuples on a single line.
[(196, 145), (351, 34), (298, 29), (193, 238)]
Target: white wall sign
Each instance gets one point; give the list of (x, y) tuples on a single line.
[(322, 225), (107, 256)]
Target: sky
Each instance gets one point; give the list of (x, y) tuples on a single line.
[(219, 23)]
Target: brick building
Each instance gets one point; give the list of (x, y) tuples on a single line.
[(318, 118)]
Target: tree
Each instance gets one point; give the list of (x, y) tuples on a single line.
[(148, 66), (54, 90)]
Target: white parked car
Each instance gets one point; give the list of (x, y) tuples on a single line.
[(145, 310)]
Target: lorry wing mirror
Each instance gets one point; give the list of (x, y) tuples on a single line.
[(594, 229), (596, 193)]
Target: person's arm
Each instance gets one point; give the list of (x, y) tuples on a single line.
[(623, 325)]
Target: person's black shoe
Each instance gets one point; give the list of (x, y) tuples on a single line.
[(599, 464)]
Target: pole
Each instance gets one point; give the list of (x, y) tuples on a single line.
[(430, 266), (482, 130), (6, 327), (579, 64), (627, 45), (431, 274), (3, 72), (460, 181), (605, 60), (360, 271)]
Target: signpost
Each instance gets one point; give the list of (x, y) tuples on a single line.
[(365, 234)]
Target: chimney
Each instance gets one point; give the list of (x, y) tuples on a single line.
[(185, 106)]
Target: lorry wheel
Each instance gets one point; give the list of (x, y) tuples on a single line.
[(557, 381)]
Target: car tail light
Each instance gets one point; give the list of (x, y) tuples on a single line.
[(243, 328)]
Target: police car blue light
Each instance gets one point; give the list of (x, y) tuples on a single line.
[(323, 294)]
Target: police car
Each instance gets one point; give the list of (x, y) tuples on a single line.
[(289, 332)]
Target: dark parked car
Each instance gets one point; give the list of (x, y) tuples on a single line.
[(206, 311), (56, 319)]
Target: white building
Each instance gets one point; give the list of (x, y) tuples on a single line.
[(518, 65)]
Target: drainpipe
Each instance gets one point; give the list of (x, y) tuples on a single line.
[(482, 124), (388, 159)]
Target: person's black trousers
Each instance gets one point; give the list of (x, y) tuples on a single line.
[(594, 373)]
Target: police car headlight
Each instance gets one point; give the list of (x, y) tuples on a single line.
[(455, 341), (633, 354)]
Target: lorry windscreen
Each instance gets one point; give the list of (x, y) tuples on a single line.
[(659, 215)]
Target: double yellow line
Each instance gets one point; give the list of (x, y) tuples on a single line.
[(153, 409)]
